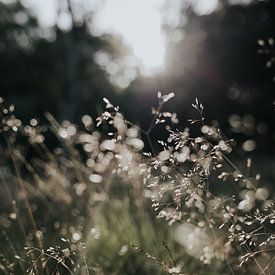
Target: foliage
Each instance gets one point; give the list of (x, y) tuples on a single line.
[(50, 69)]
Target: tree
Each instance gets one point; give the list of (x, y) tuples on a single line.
[(51, 70), (217, 61)]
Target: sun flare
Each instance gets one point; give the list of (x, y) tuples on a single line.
[(139, 24)]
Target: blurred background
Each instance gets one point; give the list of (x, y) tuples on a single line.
[(64, 56)]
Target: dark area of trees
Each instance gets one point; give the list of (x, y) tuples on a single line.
[(218, 62), (54, 72)]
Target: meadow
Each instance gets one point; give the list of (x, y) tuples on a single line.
[(109, 198)]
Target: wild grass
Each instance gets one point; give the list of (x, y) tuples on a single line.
[(108, 199)]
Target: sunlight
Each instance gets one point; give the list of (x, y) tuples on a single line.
[(139, 24)]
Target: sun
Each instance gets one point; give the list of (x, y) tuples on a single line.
[(140, 25)]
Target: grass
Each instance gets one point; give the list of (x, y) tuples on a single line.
[(99, 203)]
